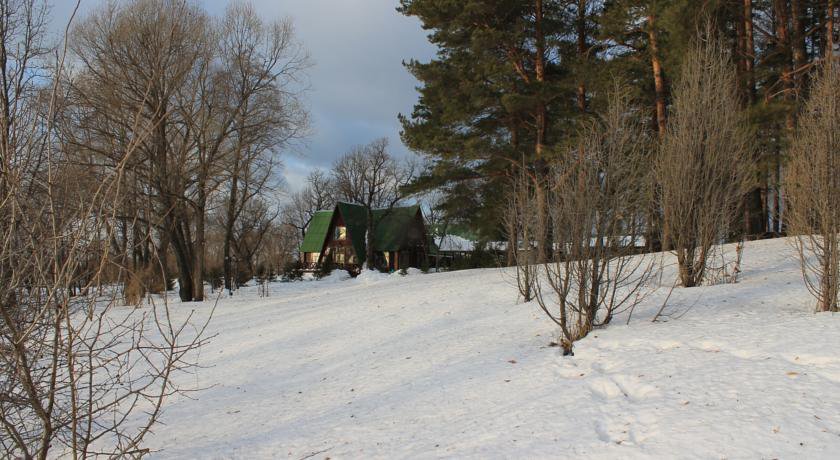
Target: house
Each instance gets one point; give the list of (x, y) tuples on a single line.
[(338, 236), (457, 251)]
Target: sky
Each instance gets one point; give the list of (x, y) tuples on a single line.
[(357, 82)]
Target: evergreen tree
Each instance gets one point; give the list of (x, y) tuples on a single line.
[(512, 78), (501, 90)]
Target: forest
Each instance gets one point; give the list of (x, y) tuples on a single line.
[(513, 80)]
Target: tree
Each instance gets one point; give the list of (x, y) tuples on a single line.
[(812, 183), (77, 377), (500, 88), (369, 176), (599, 198), (147, 52), (704, 165), (318, 195), (264, 63), (220, 101)]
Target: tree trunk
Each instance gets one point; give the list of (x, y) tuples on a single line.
[(749, 51), (231, 216), (755, 217), (782, 35), (183, 256), (198, 250), (582, 53), (829, 28), (658, 78), (539, 70), (687, 270), (798, 47), (781, 14), (829, 269), (542, 128)]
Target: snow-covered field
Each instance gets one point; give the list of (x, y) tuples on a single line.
[(450, 365)]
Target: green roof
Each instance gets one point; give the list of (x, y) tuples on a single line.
[(392, 230), (316, 232)]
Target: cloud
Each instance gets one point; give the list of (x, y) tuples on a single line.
[(358, 83)]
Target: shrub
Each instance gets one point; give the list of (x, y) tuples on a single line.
[(293, 271), (325, 269)]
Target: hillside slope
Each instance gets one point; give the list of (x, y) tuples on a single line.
[(451, 365)]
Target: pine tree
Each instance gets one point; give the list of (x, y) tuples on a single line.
[(506, 86)]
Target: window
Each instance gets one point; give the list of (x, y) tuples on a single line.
[(340, 233), (339, 257)]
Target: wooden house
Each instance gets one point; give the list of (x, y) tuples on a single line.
[(338, 236)]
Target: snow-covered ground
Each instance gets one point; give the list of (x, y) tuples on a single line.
[(450, 365)]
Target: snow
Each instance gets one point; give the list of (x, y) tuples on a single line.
[(450, 365), (454, 243)]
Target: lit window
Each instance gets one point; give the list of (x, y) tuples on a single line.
[(340, 233)]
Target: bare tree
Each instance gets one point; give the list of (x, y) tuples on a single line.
[(264, 64), (77, 376), (597, 204), (523, 229), (318, 195), (255, 222), (369, 176), (705, 163), (812, 183), (145, 52), (221, 99)]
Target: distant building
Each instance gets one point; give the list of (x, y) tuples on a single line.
[(338, 236)]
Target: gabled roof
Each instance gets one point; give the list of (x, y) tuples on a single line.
[(392, 227), (316, 233)]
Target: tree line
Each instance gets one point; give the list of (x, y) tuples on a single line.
[(588, 133), (513, 79), (142, 147), (193, 111)]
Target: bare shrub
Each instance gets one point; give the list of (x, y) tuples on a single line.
[(521, 226), (597, 204), (813, 189), (705, 162)]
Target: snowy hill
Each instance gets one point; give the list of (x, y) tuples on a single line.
[(450, 365)]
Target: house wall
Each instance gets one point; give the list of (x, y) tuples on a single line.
[(341, 252)]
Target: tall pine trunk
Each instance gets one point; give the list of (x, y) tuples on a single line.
[(542, 128), (582, 53), (755, 209), (658, 77)]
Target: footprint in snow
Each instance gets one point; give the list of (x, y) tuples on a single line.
[(605, 388), (621, 385), (614, 431)]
